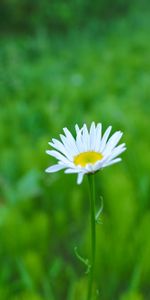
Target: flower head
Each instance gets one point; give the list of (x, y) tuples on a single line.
[(88, 152)]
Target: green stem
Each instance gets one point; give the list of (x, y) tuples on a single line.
[(93, 233)]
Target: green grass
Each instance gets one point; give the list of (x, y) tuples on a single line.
[(46, 84)]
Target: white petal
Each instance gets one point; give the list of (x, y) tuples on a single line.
[(112, 142), (77, 129), (92, 126), (98, 136), (104, 138), (117, 151), (99, 164), (57, 155), (68, 164), (92, 136), (111, 162), (55, 168), (70, 139), (68, 145), (60, 147), (89, 168), (85, 138), (79, 142), (80, 178), (72, 171)]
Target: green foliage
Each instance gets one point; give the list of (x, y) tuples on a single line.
[(48, 83), (132, 296), (58, 15)]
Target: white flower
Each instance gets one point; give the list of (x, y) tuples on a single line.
[(88, 152)]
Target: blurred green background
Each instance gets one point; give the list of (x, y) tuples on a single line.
[(62, 63)]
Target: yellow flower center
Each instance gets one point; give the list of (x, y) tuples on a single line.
[(90, 157)]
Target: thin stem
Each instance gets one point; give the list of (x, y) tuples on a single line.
[(93, 233)]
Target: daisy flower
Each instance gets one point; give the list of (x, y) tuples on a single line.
[(88, 152)]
